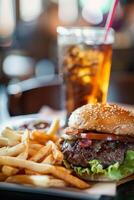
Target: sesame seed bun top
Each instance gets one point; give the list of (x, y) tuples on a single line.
[(105, 118)]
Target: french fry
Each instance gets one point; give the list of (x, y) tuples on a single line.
[(9, 171), (45, 136), (44, 169), (30, 172), (35, 154), (12, 136), (12, 151), (49, 159), (44, 151), (12, 143), (32, 152), (64, 169), (17, 162), (2, 177), (25, 141), (37, 180), (39, 136), (3, 141), (25, 137), (36, 146), (31, 139), (54, 127), (23, 155), (70, 179), (58, 143), (57, 155)]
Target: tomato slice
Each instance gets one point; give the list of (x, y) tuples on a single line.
[(85, 143), (105, 136)]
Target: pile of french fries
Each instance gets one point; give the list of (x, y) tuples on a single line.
[(34, 158)]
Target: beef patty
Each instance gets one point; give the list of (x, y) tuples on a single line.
[(107, 152)]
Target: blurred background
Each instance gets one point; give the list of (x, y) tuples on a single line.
[(28, 50)]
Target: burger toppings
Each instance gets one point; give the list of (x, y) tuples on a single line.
[(93, 135), (80, 152), (105, 136), (85, 143)]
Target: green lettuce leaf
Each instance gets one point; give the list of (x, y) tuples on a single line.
[(96, 167), (114, 172), (80, 170)]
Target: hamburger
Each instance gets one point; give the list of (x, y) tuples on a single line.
[(98, 143)]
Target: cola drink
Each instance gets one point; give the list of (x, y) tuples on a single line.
[(85, 68)]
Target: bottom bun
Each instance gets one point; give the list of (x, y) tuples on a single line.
[(95, 177), (104, 178)]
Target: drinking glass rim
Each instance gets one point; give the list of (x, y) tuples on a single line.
[(60, 29), (90, 35)]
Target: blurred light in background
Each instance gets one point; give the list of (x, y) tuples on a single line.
[(103, 5), (93, 10), (92, 14), (30, 10), (7, 18), (18, 66), (68, 11)]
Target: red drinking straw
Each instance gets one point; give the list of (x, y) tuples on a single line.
[(110, 18)]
